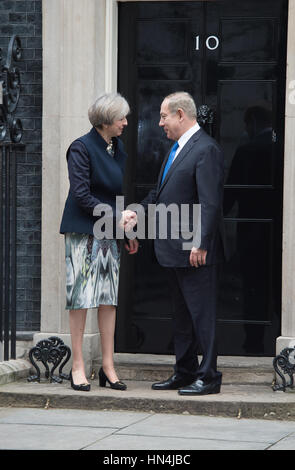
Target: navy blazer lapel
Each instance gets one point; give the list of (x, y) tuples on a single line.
[(162, 169), (177, 160)]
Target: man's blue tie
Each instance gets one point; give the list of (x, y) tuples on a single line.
[(170, 160)]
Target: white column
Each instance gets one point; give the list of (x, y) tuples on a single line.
[(73, 76), (287, 337), (111, 46)]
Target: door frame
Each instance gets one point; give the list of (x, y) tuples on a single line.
[(287, 337)]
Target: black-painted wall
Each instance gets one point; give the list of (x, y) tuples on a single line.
[(24, 18)]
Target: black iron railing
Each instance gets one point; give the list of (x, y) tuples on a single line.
[(10, 137)]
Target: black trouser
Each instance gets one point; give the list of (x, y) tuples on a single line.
[(194, 292)]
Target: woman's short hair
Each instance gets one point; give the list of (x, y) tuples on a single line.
[(184, 101), (108, 108)]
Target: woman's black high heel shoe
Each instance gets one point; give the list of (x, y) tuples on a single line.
[(80, 387), (115, 385)]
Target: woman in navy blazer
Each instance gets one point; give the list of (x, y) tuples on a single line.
[(96, 164)]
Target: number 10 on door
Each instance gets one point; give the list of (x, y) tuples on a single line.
[(212, 43)]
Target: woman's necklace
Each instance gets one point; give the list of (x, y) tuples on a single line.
[(110, 148)]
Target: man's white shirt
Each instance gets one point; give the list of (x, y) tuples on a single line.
[(185, 138)]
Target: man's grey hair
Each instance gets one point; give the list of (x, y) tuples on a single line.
[(108, 108), (182, 100)]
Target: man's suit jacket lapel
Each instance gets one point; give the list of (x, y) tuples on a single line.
[(162, 170), (182, 154)]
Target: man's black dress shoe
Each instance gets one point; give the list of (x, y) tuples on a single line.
[(173, 383), (199, 387)]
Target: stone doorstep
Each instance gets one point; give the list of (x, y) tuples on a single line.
[(235, 370), (230, 375), (247, 401), (246, 391), (151, 367)]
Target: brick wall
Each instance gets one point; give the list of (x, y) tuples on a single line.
[(24, 18)]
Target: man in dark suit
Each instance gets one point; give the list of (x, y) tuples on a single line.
[(191, 174)]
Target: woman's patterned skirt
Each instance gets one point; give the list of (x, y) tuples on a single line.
[(92, 271)]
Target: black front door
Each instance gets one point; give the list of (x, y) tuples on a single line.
[(230, 55)]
